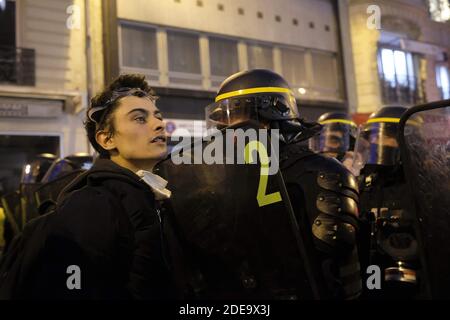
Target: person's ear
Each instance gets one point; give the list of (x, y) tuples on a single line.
[(105, 140)]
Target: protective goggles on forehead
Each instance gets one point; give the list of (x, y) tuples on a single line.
[(94, 114)]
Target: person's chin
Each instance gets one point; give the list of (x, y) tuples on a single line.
[(160, 155)]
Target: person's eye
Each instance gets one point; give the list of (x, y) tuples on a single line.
[(159, 116), (140, 119)]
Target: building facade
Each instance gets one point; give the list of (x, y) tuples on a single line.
[(186, 48), (346, 55), (44, 79), (401, 59)]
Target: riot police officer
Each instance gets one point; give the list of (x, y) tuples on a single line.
[(337, 137), (35, 171), (323, 194), (388, 238), (20, 205), (32, 176), (58, 176)]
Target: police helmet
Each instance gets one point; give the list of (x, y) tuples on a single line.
[(34, 171), (258, 94), (61, 167), (377, 142), (337, 136)]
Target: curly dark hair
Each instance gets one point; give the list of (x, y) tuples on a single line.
[(105, 117)]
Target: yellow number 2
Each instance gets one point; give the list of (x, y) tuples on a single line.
[(263, 198)]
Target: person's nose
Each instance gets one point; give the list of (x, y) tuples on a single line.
[(159, 126)]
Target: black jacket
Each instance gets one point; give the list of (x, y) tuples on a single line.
[(107, 224)]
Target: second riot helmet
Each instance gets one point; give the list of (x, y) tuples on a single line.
[(377, 142), (337, 136)]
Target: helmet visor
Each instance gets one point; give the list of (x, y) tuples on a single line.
[(333, 138), (35, 171), (269, 106), (377, 144), (58, 169)]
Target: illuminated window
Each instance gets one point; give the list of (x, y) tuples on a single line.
[(439, 10), (443, 81), (397, 70), (397, 67)]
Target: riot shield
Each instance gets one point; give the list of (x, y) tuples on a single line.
[(28, 201), (235, 222), (425, 146), (13, 211)]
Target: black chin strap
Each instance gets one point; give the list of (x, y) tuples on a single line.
[(296, 130)]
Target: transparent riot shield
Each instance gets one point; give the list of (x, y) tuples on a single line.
[(235, 221), (12, 205), (425, 146), (28, 201)]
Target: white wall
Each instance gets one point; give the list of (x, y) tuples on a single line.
[(187, 15)]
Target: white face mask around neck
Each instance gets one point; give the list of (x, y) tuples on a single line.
[(157, 184)]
